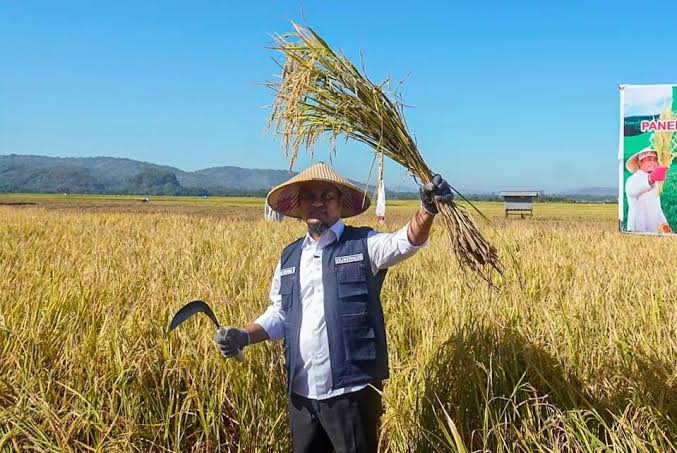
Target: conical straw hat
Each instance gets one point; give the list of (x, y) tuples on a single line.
[(285, 197), (633, 161)]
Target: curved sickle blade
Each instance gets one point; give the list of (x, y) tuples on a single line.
[(191, 308)]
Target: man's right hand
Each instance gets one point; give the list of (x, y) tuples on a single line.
[(231, 341), (659, 174)]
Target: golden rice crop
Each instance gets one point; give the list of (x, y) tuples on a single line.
[(665, 144), (577, 355), (321, 91)]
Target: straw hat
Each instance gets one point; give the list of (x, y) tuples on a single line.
[(285, 197), (633, 161)]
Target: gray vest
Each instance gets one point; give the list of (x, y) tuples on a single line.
[(352, 310)]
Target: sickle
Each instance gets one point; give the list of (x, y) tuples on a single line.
[(193, 308), (190, 309)]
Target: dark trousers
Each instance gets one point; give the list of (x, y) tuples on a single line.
[(345, 423)]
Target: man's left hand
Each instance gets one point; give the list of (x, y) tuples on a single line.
[(437, 190)]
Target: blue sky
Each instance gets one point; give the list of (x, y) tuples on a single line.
[(505, 95)]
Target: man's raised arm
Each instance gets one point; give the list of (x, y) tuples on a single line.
[(386, 250)]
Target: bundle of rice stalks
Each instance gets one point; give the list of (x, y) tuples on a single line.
[(665, 144), (321, 91)]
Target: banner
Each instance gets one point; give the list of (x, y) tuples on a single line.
[(647, 195)]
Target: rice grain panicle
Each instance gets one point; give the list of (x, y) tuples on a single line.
[(665, 144), (321, 91)]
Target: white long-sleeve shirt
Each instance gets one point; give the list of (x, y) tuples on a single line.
[(645, 214), (312, 377)]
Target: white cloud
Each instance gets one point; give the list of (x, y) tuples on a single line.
[(646, 100)]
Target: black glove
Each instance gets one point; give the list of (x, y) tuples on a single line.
[(438, 190), (231, 341)]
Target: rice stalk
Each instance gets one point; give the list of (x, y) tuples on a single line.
[(321, 91), (665, 144)]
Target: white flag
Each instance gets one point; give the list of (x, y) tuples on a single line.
[(272, 215), (381, 203)]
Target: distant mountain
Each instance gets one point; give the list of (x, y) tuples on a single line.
[(597, 191), (26, 173), (234, 178), (112, 175)]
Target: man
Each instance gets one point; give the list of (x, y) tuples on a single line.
[(644, 205), (325, 304)]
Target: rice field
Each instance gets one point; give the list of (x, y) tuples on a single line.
[(576, 352)]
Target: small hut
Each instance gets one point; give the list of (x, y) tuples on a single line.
[(519, 202)]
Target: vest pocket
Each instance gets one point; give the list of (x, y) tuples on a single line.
[(352, 280), (286, 288), (352, 289), (360, 343)]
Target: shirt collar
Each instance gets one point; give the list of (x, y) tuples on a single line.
[(332, 234)]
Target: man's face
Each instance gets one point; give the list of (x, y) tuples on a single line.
[(320, 202), (648, 164)]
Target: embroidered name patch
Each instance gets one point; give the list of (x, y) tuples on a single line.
[(348, 258), (287, 271)]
